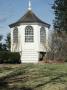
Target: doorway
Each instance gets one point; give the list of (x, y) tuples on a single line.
[(41, 56)]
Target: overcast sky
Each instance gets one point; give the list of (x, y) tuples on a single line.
[(12, 10)]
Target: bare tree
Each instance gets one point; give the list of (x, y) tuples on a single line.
[(59, 46)]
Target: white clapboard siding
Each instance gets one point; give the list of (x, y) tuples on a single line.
[(29, 57)]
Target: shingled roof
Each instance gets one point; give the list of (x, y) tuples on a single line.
[(29, 17)]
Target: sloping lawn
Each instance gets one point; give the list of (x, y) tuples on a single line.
[(33, 77)]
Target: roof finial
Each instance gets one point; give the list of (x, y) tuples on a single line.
[(29, 5)]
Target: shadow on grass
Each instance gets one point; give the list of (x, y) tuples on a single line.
[(52, 80), (24, 88), (4, 86)]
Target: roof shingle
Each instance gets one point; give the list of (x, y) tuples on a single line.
[(29, 17)]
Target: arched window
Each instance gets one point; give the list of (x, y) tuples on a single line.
[(29, 34), (15, 35), (42, 35)]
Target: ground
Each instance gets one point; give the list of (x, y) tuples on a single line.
[(33, 77)]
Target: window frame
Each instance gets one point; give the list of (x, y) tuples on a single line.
[(42, 35), (15, 35), (29, 34)]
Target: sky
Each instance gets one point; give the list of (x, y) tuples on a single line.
[(12, 10)]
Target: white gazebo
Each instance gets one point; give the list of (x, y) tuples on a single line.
[(29, 37)]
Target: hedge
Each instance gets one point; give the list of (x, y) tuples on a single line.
[(9, 57)]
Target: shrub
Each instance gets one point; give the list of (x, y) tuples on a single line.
[(9, 57), (65, 60)]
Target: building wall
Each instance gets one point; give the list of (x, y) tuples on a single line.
[(14, 46), (29, 51), (27, 45), (44, 47)]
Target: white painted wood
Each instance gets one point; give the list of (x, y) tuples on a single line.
[(29, 51), (29, 57)]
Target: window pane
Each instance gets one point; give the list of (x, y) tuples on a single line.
[(15, 35), (42, 35), (29, 35)]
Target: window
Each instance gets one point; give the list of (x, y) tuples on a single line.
[(42, 35), (15, 35), (29, 35)]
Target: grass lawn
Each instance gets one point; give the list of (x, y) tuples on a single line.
[(33, 77)]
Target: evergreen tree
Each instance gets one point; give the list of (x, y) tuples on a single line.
[(8, 41), (59, 40), (1, 37), (60, 10)]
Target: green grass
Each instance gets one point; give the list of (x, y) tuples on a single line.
[(33, 77)]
